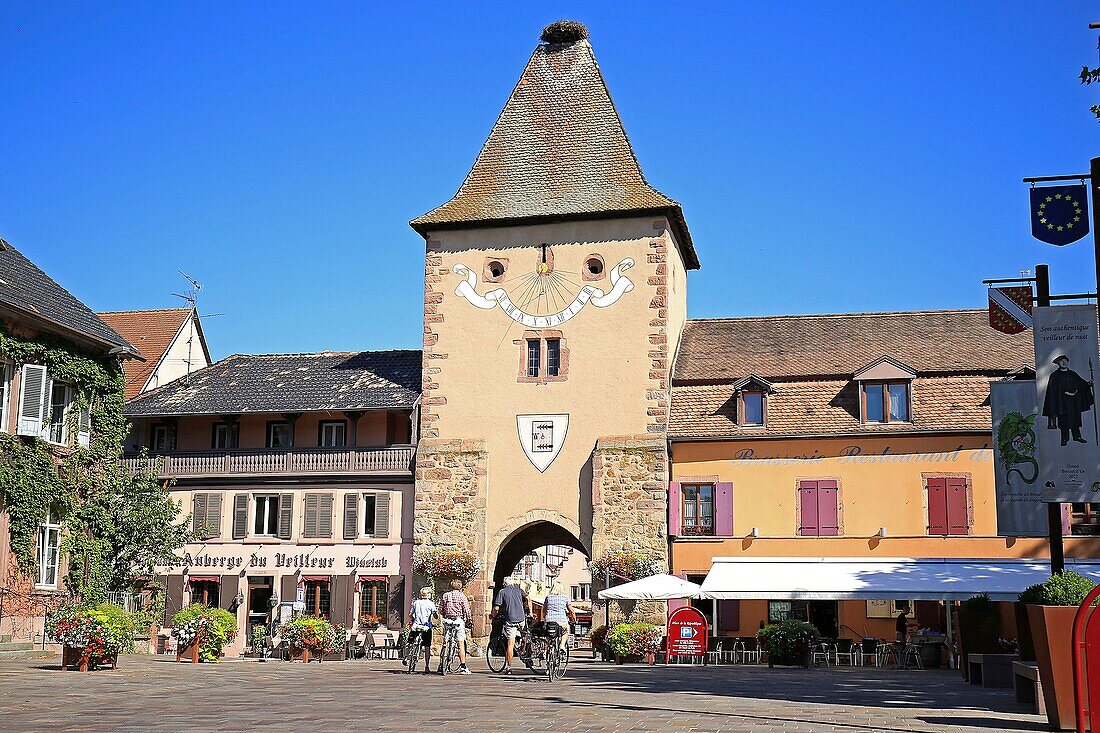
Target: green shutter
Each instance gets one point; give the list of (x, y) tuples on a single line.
[(351, 516)]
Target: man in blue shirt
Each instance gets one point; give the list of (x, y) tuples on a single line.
[(514, 606)]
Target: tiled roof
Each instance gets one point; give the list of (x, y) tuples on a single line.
[(152, 332), (811, 359), (558, 150), (290, 383), (26, 288), (838, 345)]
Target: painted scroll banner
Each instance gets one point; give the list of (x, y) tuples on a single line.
[(1020, 508), (1066, 356)]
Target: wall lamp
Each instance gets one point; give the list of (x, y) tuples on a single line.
[(755, 532), (882, 531)]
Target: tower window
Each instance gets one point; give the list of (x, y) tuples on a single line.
[(553, 357), (534, 356), (543, 357)]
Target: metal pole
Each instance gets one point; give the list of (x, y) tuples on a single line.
[(1054, 510)]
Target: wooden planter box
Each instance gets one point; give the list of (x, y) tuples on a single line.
[(1051, 630), (190, 653), (73, 657)]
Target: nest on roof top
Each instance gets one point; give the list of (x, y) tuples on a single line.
[(564, 31)]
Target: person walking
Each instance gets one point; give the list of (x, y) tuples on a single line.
[(454, 607), (514, 606)]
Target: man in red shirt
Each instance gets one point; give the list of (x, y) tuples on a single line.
[(454, 607)]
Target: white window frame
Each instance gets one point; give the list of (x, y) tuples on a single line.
[(50, 528), (153, 439), (271, 514), (5, 395), (337, 427), (370, 516), (47, 424)]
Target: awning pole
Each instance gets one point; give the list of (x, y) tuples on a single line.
[(950, 644)]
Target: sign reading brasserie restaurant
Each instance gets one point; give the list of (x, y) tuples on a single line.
[(335, 560), (1066, 357)]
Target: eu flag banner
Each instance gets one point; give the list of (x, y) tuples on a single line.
[(1059, 214)]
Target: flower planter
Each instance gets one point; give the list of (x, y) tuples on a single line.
[(75, 658), (1051, 631), (189, 653), (301, 655), (979, 632), (1024, 640)]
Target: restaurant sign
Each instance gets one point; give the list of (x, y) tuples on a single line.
[(326, 559), (687, 633)]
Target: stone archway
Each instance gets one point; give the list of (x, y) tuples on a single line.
[(523, 534)]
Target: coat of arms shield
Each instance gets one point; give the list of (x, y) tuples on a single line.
[(542, 437)]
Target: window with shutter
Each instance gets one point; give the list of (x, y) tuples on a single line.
[(807, 509), (675, 507), (32, 400), (324, 519), (213, 516), (311, 519), (351, 516), (240, 516), (286, 515), (5, 396), (937, 505), (818, 508), (84, 426), (958, 519), (382, 514), (198, 515), (369, 514)]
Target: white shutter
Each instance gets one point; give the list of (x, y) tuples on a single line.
[(84, 432), (32, 399)]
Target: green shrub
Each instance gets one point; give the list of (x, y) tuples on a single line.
[(1060, 589), (978, 604), (634, 640), (788, 642), (214, 627)]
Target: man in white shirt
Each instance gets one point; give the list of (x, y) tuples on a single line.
[(423, 614)]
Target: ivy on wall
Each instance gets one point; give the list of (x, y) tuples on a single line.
[(117, 524)]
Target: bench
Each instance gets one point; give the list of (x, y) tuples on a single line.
[(991, 670), (1028, 686)]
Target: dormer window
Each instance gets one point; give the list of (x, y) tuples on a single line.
[(751, 394), (885, 391)]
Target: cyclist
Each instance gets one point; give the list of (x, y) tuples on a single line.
[(514, 605), (559, 611), (423, 613), (454, 607)]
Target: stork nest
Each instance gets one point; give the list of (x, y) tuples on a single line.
[(564, 31)]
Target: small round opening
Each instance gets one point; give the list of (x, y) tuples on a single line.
[(496, 269), (594, 265)]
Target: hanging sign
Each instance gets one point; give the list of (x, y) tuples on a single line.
[(1066, 356), (1059, 214), (687, 633), (1020, 508), (1010, 309)]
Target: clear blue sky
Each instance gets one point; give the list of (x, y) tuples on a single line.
[(830, 157)]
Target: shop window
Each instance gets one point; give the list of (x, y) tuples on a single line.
[(224, 436), (49, 544), (266, 519), (317, 598), (818, 508), (278, 435), (207, 592), (372, 598), (783, 610), (885, 402), (1084, 519), (751, 408), (948, 505), (333, 434), (543, 357), (698, 509)]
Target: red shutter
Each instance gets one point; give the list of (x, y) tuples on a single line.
[(937, 505), (828, 524), (957, 519), (807, 505), (723, 510), (675, 507)]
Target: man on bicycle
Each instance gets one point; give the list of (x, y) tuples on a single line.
[(514, 605), (454, 607), (558, 611), (423, 613)]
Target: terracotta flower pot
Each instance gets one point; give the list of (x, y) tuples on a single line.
[(1051, 630)]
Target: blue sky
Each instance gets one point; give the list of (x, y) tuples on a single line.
[(830, 157)]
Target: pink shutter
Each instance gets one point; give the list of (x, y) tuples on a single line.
[(937, 506), (675, 603), (957, 520), (807, 505), (723, 510), (828, 524), (675, 508)]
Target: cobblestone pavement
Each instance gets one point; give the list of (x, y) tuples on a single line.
[(148, 694)]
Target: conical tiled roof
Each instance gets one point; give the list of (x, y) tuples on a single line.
[(557, 151)]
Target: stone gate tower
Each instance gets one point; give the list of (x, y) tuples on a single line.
[(554, 299)]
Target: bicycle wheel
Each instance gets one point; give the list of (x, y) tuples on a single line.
[(563, 662), (552, 650), (412, 655), (494, 654)]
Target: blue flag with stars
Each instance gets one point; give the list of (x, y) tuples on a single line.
[(1059, 214)]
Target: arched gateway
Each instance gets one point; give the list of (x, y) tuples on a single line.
[(555, 296)]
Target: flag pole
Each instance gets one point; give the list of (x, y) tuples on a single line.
[(1054, 510), (1092, 381)]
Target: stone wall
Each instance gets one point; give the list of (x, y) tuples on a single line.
[(630, 510)]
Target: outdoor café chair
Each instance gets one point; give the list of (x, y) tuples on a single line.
[(749, 650), (719, 655), (823, 652), (912, 652), (886, 654), (848, 651), (357, 649)]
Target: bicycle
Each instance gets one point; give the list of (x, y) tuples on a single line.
[(497, 647), (448, 653), (412, 649), (557, 654)]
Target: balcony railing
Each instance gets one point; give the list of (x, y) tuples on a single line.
[(259, 461)]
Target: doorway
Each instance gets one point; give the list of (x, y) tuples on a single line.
[(260, 592)]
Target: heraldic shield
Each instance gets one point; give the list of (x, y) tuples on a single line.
[(1059, 214), (542, 437)]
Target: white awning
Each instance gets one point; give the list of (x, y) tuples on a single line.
[(774, 578), (658, 587)]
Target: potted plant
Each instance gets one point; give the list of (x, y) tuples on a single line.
[(442, 563), (630, 642), (979, 629), (371, 621), (202, 633), (91, 636), (629, 565), (312, 636), (789, 642), (1051, 606)]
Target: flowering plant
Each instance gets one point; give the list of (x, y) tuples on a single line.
[(634, 640), (211, 628), (788, 642), (98, 632), (624, 565), (370, 620), (313, 633), (437, 562)]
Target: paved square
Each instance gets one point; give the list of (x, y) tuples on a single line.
[(152, 694)]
